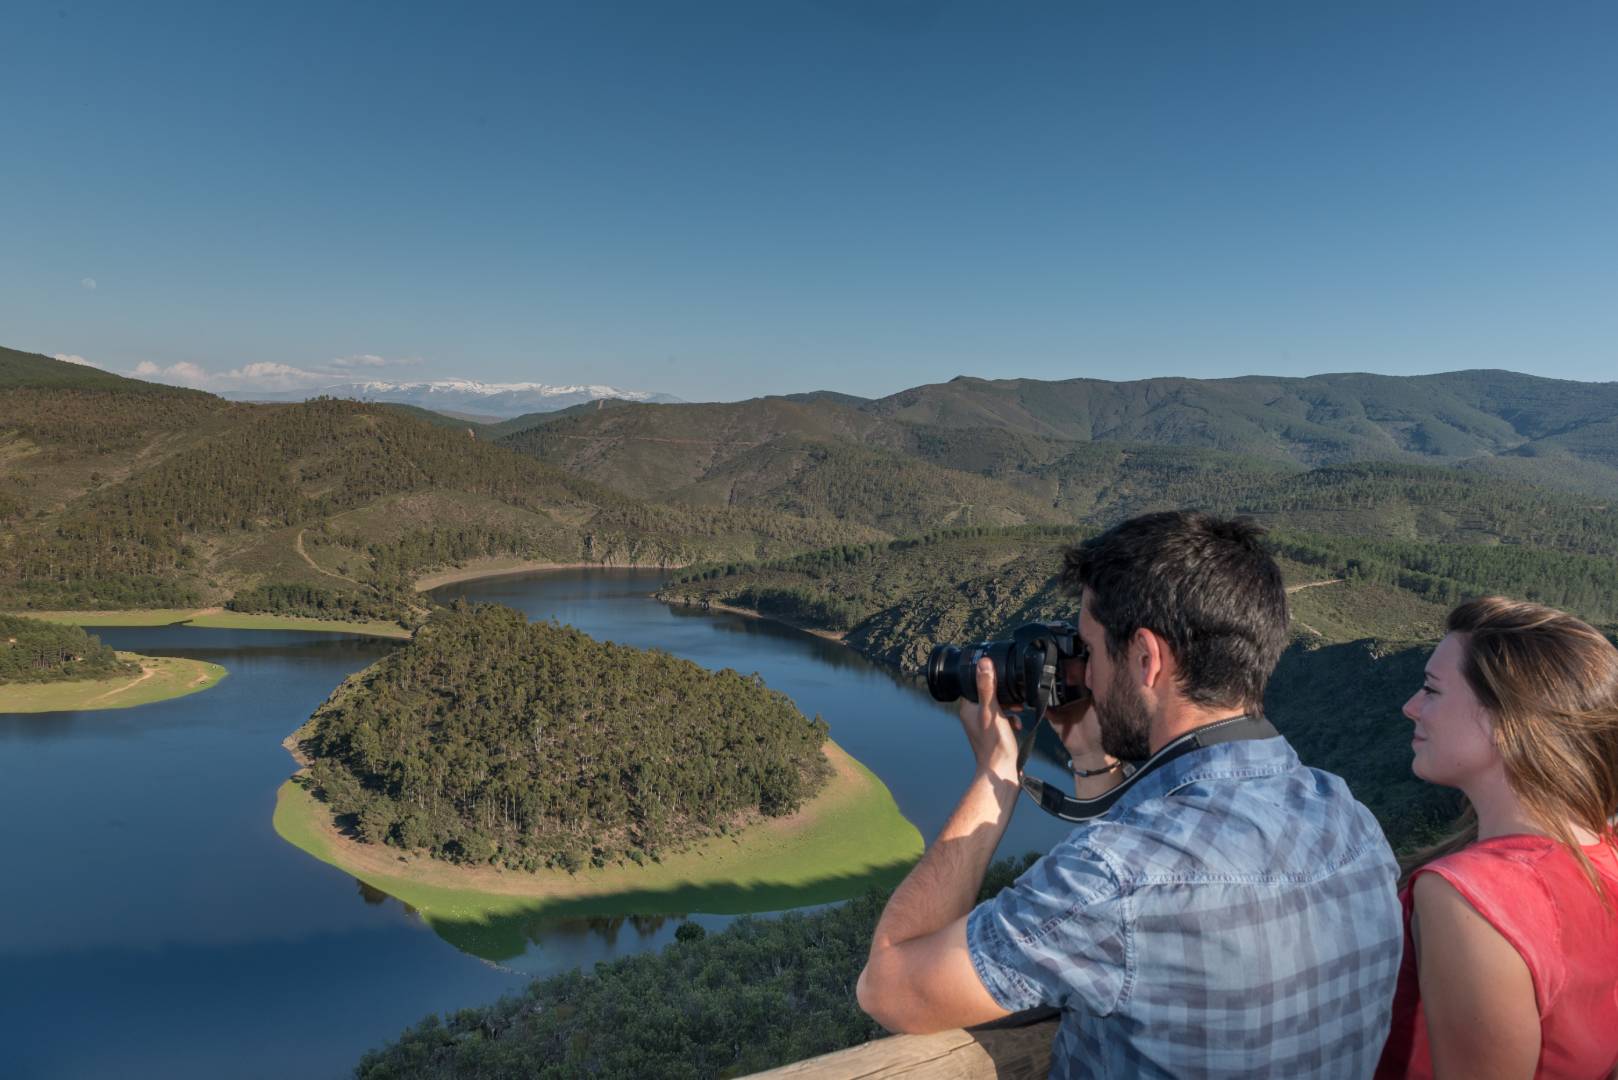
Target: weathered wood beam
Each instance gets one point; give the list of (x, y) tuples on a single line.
[(1008, 1052)]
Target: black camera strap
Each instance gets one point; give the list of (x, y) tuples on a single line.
[(1058, 803)]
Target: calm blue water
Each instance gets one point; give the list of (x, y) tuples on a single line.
[(153, 924)]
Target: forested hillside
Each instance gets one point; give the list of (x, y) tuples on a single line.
[(118, 493), (35, 651), (1496, 423), (1317, 420), (892, 601), (490, 739)]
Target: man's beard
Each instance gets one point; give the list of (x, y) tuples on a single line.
[(1126, 725)]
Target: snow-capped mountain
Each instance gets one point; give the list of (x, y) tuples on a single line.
[(464, 395)]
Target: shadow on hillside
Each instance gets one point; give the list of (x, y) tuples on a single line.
[(501, 937), (1339, 706)]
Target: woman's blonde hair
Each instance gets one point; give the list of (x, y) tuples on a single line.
[(1550, 684)]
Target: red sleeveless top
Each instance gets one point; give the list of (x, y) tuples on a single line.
[(1534, 893)]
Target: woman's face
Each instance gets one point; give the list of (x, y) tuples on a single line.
[(1454, 736)]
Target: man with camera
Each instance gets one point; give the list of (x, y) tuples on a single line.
[(1220, 909)]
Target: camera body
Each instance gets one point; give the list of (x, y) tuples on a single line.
[(1030, 669)]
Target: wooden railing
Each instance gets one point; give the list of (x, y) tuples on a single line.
[(1017, 1048)]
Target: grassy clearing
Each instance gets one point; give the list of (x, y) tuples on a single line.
[(849, 838), (142, 617), (1352, 610), (161, 678), (237, 620)]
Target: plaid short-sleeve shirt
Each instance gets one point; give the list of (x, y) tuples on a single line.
[(1233, 915)]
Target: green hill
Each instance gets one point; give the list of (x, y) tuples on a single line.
[(1321, 420), (1317, 420), (1468, 456), (33, 371), (492, 739), (882, 489), (652, 450), (121, 493), (138, 497)]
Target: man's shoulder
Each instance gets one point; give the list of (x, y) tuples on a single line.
[(1286, 821)]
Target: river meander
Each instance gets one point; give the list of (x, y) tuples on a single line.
[(155, 925)]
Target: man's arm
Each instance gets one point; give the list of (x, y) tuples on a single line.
[(920, 977)]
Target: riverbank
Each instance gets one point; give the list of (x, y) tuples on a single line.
[(750, 613), (224, 619), (502, 566), (850, 837), (161, 678), (219, 619), (242, 620)]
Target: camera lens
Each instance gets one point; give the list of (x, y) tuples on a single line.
[(944, 673)]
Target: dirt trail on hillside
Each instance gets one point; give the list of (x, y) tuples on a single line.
[(1315, 584), (297, 545), (146, 673)]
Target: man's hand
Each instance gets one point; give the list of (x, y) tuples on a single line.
[(990, 731), (1076, 725)]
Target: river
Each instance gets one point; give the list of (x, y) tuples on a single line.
[(153, 924)]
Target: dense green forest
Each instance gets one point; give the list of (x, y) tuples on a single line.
[(893, 601), (490, 739), (1449, 573), (318, 602), (36, 651), (761, 993)]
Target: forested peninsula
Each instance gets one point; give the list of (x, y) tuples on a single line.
[(490, 745), (46, 667)]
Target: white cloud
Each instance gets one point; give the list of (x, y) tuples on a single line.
[(373, 360), (263, 375), (73, 358), (88, 283), (271, 376), (256, 376), (183, 372)]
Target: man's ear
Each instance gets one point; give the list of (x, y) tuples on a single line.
[(1152, 660)]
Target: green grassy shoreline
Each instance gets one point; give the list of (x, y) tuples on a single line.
[(851, 838), (165, 678), (208, 618)]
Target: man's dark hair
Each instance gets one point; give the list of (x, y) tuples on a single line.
[(1204, 585)]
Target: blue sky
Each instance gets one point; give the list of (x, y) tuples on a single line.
[(722, 200)]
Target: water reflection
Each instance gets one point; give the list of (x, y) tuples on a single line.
[(370, 894), (831, 653), (150, 890)]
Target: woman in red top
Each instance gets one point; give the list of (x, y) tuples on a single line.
[(1511, 950)]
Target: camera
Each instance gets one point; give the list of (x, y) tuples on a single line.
[(1030, 669)]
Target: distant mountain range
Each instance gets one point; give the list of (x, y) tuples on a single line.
[(1047, 441), (504, 400)]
